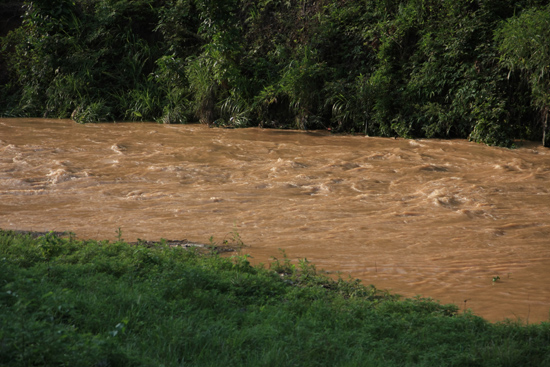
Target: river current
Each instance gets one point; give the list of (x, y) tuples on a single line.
[(436, 218)]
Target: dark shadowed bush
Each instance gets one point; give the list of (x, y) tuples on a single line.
[(415, 68)]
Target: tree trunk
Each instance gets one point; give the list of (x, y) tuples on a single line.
[(366, 124), (545, 126)]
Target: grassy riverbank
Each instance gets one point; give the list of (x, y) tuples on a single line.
[(66, 302)]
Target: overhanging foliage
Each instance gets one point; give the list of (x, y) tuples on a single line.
[(416, 68)]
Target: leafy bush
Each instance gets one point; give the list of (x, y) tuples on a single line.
[(523, 43), (409, 68)]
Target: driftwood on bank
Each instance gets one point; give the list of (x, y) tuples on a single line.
[(171, 243)]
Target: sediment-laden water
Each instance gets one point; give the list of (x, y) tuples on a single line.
[(434, 218)]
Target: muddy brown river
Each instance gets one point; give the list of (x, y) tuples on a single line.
[(435, 218)]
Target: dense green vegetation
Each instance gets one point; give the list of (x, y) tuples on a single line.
[(413, 68), (65, 302)]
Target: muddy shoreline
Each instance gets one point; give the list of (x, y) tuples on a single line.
[(171, 243)]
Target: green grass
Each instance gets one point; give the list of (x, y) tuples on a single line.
[(65, 302)]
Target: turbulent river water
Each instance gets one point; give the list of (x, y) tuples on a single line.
[(435, 218)]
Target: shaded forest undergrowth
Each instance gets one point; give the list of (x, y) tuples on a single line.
[(67, 302), (416, 68)]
